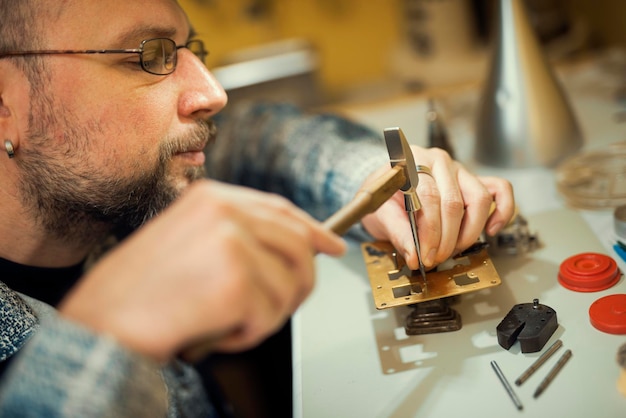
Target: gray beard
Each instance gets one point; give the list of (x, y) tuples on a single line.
[(82, 208)]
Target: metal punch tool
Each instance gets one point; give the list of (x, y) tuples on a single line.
[(400, 154)]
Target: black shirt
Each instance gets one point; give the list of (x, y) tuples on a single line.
[(45, 284)]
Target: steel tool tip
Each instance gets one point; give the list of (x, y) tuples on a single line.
[(423, 273)]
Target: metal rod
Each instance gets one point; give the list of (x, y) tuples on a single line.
[(552, 374), (413, 223), (545, 356), (507, 386)]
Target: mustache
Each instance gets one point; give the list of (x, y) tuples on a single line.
[(204, 133)]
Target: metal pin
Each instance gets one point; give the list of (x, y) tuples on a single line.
[(545, 356), (507, 386), (555, 370), (395, 259)]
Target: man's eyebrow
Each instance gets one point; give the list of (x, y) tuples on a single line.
[(138, 34)]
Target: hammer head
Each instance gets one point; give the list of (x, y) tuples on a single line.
[(400, 154)]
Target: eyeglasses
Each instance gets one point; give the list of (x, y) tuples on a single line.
[(157, 56)]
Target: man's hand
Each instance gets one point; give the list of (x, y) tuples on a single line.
[(223, 263), (456, 208)]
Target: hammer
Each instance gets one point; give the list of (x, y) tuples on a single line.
[(402, 176)]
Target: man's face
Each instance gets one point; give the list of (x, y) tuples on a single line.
[(105, 140)]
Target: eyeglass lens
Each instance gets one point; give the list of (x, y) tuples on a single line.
[(159, 56), (196, 46)]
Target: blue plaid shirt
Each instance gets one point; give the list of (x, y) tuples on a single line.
[(59, 369)]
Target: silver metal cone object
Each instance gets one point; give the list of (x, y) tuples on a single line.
[(524, 117)]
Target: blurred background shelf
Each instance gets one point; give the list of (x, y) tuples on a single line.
[(374, 49)]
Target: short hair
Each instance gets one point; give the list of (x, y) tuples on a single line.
[(21, 27)]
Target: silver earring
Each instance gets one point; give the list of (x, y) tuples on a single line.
[(9, 147)]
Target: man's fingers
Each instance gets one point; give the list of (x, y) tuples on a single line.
[(504, 209)]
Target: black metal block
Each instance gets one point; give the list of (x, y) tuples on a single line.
[(532, 324)]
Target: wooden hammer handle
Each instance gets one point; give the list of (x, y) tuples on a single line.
[(367, 200)]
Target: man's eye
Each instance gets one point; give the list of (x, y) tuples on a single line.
[(134, 64), (150, 64)]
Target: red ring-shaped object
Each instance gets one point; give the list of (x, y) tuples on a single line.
[(589, 272), (608, 314)]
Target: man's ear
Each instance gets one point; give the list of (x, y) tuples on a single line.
[(4, 111), (14, 97), (8, 132), (5, 128)]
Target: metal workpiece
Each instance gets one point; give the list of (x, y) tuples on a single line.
[(524, 118), (393, 284)]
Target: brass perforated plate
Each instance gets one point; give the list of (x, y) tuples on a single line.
[(394, 284)]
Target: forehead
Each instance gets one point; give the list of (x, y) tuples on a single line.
[(114, 23)]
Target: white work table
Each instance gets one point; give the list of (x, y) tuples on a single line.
[(352, 360)]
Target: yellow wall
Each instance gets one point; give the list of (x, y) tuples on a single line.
[(606, 19), (352, 37)]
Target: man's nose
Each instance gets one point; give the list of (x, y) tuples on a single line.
[(202, 93)]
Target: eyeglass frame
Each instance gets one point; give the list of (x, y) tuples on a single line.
[(139, 51)]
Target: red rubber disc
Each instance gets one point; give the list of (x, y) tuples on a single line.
[(589, 272), (608, 314)]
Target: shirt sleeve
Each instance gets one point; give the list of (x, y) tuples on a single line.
[(64, 370), (317, 160)]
